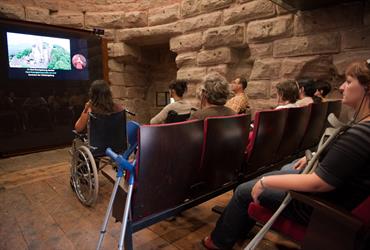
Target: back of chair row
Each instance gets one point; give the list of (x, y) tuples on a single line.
[(268, 129), (175, 157), (169, 156), (223, 150), (315, 125), (279, 134)]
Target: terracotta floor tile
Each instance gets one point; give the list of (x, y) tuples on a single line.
[(10, 233), (157, 243)]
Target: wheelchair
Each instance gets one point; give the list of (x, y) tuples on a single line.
[(88, 153)]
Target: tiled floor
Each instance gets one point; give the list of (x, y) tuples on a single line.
[(38, 210)]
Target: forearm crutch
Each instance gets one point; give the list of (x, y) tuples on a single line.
[(122, 164), (312, 163)]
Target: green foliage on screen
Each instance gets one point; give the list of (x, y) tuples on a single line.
[(60, 59), (23, 53)]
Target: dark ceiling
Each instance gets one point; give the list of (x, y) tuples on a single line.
[(308, 4)]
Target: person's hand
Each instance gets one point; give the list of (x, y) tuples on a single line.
[(301, 163), (256, 191)]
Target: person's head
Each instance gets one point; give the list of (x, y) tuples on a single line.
[(79, 61), (356, 88), (101, 97), (215, 89), (287, 91), (239, 85), (322, 88), (306, 87), (178, 88)]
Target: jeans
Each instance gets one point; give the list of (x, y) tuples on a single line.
[(234, 223), (289, 167)]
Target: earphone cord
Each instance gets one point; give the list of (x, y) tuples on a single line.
[(358, 111)]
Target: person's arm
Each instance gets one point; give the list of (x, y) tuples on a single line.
[(81, 123), (296, 182), (345, 161), (161, 116)]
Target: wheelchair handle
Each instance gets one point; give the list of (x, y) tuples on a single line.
[(129, 112), (123, 164)]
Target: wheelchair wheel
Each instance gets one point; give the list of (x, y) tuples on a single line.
[(84, 175)]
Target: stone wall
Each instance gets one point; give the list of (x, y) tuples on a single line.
[(252, 38)]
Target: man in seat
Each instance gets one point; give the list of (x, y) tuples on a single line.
[(239, 103)]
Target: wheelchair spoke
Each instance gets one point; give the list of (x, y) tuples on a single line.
[(84, 176)]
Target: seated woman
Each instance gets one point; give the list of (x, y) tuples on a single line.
[(180, 106), (287, 94), (213, 96), (307, 91), (100, 102), (342, 175)]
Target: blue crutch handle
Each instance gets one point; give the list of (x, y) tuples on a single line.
[(123, 164), (111, 154)]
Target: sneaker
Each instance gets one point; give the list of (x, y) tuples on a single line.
[(208, 243)]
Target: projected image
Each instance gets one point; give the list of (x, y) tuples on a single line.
[(41, 52)]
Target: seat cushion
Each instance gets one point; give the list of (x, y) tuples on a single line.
[(362, 211), (286, 226)]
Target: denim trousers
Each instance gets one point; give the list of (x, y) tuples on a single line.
[(234, 223)]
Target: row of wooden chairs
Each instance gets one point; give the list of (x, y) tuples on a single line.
[(181, 165), (181, 162), (282, 135)]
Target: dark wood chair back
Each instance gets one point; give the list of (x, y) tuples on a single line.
[(295, 127), (334, 107), (223, 149), (105, 131), (315, 125), (265, 139), (169, 156)]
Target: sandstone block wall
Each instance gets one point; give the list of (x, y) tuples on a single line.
[(253, 38)]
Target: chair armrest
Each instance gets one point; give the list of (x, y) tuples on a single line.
[(330, 227), (325, 207)]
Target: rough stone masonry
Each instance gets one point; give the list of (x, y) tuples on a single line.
[(252, 38)]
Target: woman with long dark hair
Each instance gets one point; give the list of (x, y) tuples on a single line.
[(100, 102)]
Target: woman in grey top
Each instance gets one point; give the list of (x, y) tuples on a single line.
[(180, 106)]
